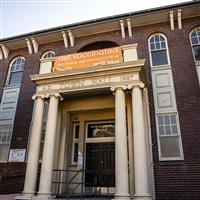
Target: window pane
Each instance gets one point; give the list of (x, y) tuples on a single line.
[(169, 146), (196, 50), (159, 58), (156, 38), (163, 45), (76, 134), (4, 149), (152, 46), (194, 34), (75, 152), (161, 130), (101, 130), (173, 119), (166, 119), (194, 40), (174, 130), (157, 45), (162, 38), (168, 130), (160, 120), (198, 32), (15, 78)]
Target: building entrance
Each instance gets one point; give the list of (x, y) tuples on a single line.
[(100, 164), (100, 154)]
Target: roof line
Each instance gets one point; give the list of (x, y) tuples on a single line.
[(109, 18)]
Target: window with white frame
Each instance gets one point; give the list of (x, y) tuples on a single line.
[(5, 139), (169, 137), (48, 54), (158, 50), (76, 128), (16, 71), (195, 42)]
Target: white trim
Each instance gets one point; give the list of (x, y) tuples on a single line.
[(179, 16), (1, 54), (129, 27), (122, 28), (65, 39), (5, 50), (35, 45), (30, 49), (71, 38), (171, 18)]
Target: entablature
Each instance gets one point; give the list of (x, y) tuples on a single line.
[(99, 77)]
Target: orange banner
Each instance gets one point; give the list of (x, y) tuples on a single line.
[(88, 59)]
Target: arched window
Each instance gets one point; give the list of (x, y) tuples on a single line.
[(158, 50), (195, 42), (98, 45), (16, 71), (48, 54)]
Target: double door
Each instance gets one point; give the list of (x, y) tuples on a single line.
[(100, 164)]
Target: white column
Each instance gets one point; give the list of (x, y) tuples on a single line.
[(121, 150), (34, 148), (140, 151), (49, 145)]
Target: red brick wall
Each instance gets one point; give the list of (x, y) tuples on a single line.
[(177, 180), (174, 180)]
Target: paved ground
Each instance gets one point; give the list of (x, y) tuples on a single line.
[(8, 197), (12, 197)]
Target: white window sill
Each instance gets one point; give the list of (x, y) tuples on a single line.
[(160, 67)]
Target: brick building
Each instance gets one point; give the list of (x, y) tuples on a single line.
[(111, 105)]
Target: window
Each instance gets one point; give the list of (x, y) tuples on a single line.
[(5, 139), (158, 50), (75, 143), (169, 138), (195, 42), (48, 54), (96, 130), (16, 71)]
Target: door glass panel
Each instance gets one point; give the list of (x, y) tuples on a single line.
[(101, 130)]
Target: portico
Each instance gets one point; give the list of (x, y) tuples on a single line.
[(117, 87)]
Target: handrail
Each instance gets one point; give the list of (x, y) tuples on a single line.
[(68, 183)]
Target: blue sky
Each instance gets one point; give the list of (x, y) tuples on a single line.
[(24, 16)]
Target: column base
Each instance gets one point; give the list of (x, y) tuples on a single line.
[(142, 196), (25, 196), (120, 196), (43, 196)]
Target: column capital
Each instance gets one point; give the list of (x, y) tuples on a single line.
[(136, 85), (35, 96), (118, 87), (57, 95)]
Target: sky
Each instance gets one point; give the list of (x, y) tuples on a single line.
[(25, 16)]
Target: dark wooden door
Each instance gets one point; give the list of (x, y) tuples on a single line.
[(100, 162)]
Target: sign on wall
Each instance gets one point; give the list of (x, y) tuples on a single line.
[(88, 59), (17, 155)]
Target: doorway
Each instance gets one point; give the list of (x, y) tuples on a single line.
[(100, 164), (100, 154)]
